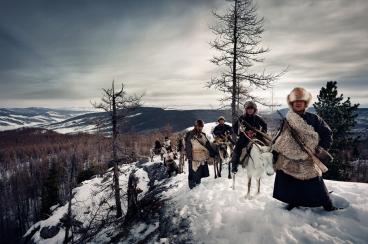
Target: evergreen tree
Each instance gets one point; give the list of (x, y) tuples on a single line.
[(341, 116), (50, 191)]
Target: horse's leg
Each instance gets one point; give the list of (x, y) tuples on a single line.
[(229, 169), (180, 164), (220, 167), (214, 168), (218, 163), (249, 185)]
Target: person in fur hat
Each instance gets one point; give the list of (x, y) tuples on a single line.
[(298, 180), (198, 151), (222, 131), (250, 117)]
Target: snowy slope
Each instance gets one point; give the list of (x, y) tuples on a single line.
[(91, 200), (214, 213), (219, 214)]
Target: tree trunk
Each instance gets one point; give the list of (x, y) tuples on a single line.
[(132, 197), (234, 85), (114, 155)]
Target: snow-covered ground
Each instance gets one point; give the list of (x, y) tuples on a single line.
[(216, 213), (92, 200), (219, 214)]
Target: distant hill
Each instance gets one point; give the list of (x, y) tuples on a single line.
[(13, 118), (143, 120)]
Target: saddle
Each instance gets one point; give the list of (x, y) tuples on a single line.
[(220, 140), (244, 157)]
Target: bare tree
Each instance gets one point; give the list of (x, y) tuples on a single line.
[(238, 39), (118, 104)]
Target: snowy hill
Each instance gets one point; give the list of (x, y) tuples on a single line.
[(143, 119), (13, 118), (212, 212)]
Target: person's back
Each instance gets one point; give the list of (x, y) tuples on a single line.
[(158, 146)]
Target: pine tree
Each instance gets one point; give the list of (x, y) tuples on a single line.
[(50, 191), (341, 116)]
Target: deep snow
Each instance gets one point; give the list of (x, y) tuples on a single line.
[(219, 214)]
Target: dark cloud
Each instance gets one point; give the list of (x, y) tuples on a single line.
[(68, 50)]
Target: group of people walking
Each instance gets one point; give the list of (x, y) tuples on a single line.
[(298, 179)]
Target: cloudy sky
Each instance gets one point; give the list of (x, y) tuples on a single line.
[(61, 53)]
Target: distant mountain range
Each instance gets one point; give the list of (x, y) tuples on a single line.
[(144, 119), (12, 118)]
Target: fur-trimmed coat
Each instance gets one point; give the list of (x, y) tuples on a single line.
[(314, 132), (198, 148)]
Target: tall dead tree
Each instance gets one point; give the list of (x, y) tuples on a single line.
[(238, 40), (118, 104)]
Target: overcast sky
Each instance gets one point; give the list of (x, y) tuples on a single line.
[(61, 53)]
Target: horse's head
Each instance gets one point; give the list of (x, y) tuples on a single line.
[(267, 159)]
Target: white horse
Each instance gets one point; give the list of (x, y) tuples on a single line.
[(259, 162)]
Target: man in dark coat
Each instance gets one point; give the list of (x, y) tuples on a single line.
[(298, 179), (251, 118), (198, 151), (222, 129)]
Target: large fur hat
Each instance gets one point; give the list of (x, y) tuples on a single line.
[(299, 93), (252, 104)]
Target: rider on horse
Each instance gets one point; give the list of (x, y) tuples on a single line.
[(222, 131), (243, 130)]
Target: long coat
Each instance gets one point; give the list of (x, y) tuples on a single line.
[(197, 172), (297, 182)]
